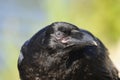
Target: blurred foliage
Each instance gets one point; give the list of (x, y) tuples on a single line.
[(100, 17), (20, 19)]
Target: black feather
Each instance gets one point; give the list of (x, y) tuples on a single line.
[(62, 51)]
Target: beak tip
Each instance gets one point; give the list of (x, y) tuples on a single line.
[(94, 43)]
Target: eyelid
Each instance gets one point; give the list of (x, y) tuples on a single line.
[(58, 32)]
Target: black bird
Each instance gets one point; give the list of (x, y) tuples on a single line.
[(62, 51)]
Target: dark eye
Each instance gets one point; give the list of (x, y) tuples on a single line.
[(59, 34)]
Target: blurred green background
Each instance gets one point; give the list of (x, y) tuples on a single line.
[(20, 19)]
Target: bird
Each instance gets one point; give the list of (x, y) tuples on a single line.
[(63, 51)]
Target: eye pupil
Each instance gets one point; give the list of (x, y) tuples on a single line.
[(58, 33)]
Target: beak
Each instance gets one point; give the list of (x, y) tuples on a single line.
[(87, 39)]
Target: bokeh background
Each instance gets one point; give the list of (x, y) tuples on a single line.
[(20, 19)]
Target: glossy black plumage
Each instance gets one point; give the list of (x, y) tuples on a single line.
[(62, 51)]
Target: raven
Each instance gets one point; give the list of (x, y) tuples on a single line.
[(62, 51)]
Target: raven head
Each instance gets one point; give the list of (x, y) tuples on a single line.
[(61, 35)]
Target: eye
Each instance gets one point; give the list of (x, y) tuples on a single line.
[(59, 34)]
